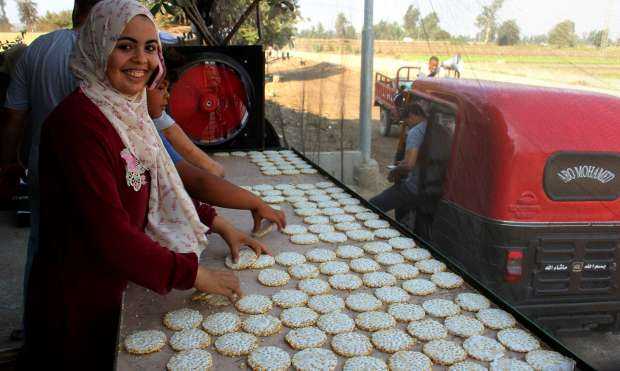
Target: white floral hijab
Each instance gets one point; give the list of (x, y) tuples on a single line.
[(172, 218)]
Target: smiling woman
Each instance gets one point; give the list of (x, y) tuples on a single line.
[(134, 57)]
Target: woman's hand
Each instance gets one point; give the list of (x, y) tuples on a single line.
[(218, 282), (235, 239), (264, 211)]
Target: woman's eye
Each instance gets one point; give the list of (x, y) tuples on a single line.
[(124, 47), (151, 48)]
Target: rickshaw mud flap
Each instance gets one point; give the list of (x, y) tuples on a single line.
[(540, 332)]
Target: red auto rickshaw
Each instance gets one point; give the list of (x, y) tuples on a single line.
[(520, 186)]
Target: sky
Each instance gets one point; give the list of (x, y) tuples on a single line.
[(456, 16)]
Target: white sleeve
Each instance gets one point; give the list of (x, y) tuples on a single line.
[(163, 122)]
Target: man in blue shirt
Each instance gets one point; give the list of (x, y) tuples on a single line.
[(402, 196)]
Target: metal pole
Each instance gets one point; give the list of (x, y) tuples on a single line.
[(366, 82)]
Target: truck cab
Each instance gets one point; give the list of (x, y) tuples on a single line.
[(520, 186)]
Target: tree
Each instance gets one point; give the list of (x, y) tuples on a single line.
[(5, 24), (344, 29), (52, 21), (563, 34), (487, 20), (430, 29), (410, 21), (508, 33), (277, 21), (597, 38), (27, 10), (388, 31)]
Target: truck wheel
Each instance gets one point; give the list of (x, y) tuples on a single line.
[(386, 123)]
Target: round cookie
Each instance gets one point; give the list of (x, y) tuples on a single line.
[(472, 302), (298, 317), (290, 298), (444, 352), (334, 190), (341, 218), (419, 286), (364, 265), (182, 319), (365, 363), (335, 323), (351, 344), (483, 348), (468, 366), (326, 303), (145, 342), (320, 255), (430, 266), (254, 304), (294, 200), (284, 186), (376, 224), (305, 186), (361, 235), (236, 344), (333, 237), (293, 193), (305, 337), (313, 286), (271, 172), (246, 259), (362, 302), (304, 204), (403, 271), (377, 247), (274, 199), (214, 300), (332, 211), (441, 308), (378, 279), (374, 321), (218, 324), (290, 258), (402, 243), (308, 211), (349, 252), (269, 358), (319, 198), (272, 192), (193, 359), (511, 364), (408, 360), (392, 340), (316, 219), (518, 340), (345, 282), (263, 261), (292, 229), (447, 280), (323, 185), (427, 329), (415, 254), (496, 319), (391, 295), (328, 204), (405, 312), (309, 171), (321, 228), (291, 172), (261, 325), (303, 271), (360, 214), (389, 258), (334, 267), (315, 359), (304, 239), (349, 201), (262, 187), (463, 326), (273, 277), (541, 359), (190, 339), (347, 226), (386, 233)]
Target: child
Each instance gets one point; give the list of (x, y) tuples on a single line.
[(157, 101)]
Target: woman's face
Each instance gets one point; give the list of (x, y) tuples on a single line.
[(134, 57)]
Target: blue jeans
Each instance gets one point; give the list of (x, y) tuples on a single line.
[(398, 198)]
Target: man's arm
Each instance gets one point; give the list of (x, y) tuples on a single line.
[(216, 191), (190, 152), (12, 134)]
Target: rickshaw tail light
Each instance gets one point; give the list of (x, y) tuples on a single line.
[(514, 266)]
